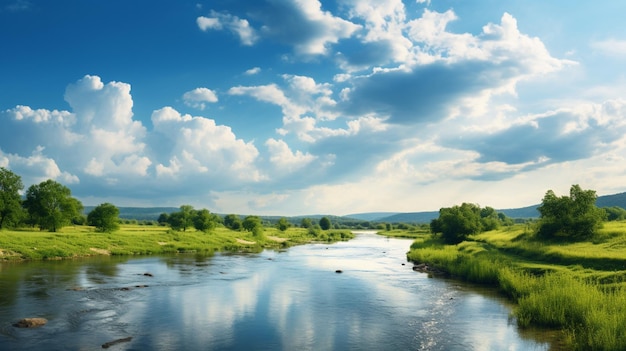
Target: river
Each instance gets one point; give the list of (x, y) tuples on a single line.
[(274, 300)]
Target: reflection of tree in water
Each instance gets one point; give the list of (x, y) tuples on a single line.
[(186, 265), (102, 268), (35, 279)]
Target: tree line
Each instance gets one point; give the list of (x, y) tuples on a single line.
[(50, 206), (573, 217)]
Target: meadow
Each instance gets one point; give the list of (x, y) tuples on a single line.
[(578, 288), (84, 241)]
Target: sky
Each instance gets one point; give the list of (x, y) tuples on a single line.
[(299, 107)]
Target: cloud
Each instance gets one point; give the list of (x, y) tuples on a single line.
[(303, 25), (253, 71), (198, 147), (449, 70), (554, 137), (240, 27), (284, 159), (198, 98), (611, 47)]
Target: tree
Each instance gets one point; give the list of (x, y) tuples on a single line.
[(615, 213), (456, 223), (232, 221), (51, 205), (163, 219), (105, 217), (575, 217), (253, 224), (306, 223), (10, 200), (182, 219), (325, 223), (204, 220), (283, 224)]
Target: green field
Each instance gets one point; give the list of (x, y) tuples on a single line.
[(83, 241), (576, 287)]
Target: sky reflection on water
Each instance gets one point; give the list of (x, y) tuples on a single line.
[(290, 300)]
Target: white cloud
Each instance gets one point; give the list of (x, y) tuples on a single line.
[(198, 98), (240, 27), (252, 71), (284, 159), (202, 148), (611, 47)]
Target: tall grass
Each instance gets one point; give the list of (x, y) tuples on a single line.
[(579, 288)]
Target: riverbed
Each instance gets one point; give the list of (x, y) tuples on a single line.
[(356, 295)]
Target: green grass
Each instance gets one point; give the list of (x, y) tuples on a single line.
[(82, 241), (576, 287)]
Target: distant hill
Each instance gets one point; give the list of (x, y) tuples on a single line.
[(371, 216), (152, 213), (618, 200)]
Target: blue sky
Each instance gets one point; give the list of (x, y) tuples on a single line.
[(295, 107)]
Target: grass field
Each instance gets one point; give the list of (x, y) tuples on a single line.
[(81, 241), (577, 287)]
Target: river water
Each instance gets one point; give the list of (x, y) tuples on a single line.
[(274, 300)]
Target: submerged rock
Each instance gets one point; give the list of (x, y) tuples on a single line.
[(30, 323), (115, 342)]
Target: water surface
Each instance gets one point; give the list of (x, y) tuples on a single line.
[(288, 300)]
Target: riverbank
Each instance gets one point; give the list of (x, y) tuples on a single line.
[(578, 288), (83, 241)]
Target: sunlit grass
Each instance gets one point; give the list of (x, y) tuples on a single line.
[(578, 287), (80, 241)]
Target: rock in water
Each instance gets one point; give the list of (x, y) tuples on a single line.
[(30, 322)]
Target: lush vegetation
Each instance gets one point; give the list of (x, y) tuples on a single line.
[(456, 223), (569, 278), (81, 241)]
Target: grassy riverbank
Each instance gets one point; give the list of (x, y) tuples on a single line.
[(83, 241), (579, 288)]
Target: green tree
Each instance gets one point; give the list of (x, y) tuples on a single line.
[(325, 223), (283, 224), (456, 223), (306, 223), (204, 220), (105, 217), (253, 224), (182, 219), (615, 213), (232, 221), (573, 217), (163, 219), (10, 200), (51, 205)]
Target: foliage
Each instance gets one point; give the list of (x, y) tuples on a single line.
[(51, 205), (458, 222), (573, 217), (163, 218), (204, 220), (578, 287), (232, 221), (615, 213), (306, 223), (10, 200), (182, 219), (105, 217), (283, 224), (325, 223), (253, 224)]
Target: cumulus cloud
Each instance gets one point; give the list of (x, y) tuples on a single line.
[(303, 25), (219, 21), (199, 97), (252, 71), (449, 70), (200, 147)]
